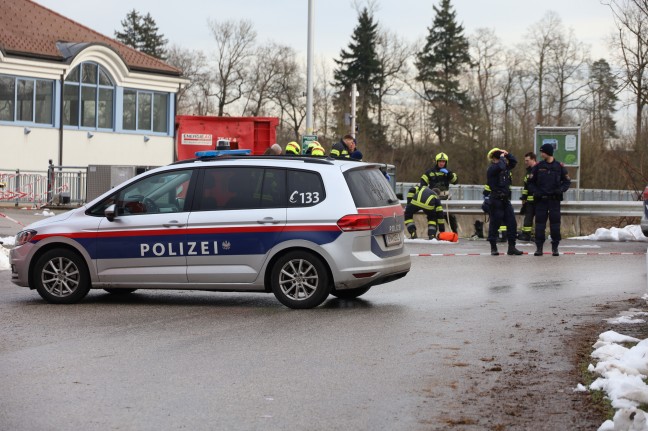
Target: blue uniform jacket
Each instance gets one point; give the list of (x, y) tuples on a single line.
[(549, 180), (498, 178)]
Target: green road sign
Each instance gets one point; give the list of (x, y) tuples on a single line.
[(307, 139), (565, 141)]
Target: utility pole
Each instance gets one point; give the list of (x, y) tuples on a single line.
[(309, 72), (354, 93)]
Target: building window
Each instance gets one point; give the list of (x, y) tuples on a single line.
[(146, 111), (26, 100), (88, 97)]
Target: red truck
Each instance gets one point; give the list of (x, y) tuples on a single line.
[(201, 133)]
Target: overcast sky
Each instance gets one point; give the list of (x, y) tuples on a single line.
[(285, 21)]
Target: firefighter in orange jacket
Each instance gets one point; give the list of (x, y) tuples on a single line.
[(422, 198)]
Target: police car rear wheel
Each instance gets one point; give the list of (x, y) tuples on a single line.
[(61, 277), (350, 293), (299, 280)]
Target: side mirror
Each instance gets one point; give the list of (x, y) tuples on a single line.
[(110, 213)]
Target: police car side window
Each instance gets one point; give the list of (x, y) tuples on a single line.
[(236, 188), (273, 191), (160, 193), (304, 188), (244, 185)]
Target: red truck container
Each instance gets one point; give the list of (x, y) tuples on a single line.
[(201, 133)]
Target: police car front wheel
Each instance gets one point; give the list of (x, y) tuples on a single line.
[(299, 279), (61, 276)]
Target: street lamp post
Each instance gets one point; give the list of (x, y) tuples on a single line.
[(309, 72)]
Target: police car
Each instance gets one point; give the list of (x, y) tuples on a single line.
[(299, 227)]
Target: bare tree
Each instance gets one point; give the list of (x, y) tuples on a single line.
[(542, 38), (263, 75), (509, 91), (288, 94), (567, 61), (193, 65), (486, 51), (631, 20), (524, 104), (393, 54), (234, 48), (323, 95)]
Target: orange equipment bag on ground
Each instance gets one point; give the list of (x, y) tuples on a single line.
[(448, 236)]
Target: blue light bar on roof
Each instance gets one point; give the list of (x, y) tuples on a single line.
[(216, 153)]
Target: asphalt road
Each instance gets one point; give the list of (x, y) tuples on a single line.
[(431, 351)]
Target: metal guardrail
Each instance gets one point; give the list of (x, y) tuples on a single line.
[(568, 208), (474, 192)]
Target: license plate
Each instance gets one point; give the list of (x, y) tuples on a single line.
[(392, 239)]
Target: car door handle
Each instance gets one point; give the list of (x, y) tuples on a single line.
[(268, 220), (173, 223)]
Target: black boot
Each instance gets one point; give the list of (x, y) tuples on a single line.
[(512, 251), (494, 251), (554, 249), (479, 229), (538, 251)]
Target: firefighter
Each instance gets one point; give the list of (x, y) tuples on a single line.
[(344, 148), (498, 200), (440, 177), (422, 198), (293, 148), (315, 149), (528, 206), (548, 181)]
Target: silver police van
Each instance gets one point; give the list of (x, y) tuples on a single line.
[(299, 227)]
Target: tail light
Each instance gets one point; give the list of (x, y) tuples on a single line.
[(645, 194), (358, 222)]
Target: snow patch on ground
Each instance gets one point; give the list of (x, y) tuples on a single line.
[(628, 233), (622, 367)]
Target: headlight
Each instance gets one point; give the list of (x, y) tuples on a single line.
[(24, 236)]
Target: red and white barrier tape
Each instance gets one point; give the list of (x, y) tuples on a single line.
[(11, 219)]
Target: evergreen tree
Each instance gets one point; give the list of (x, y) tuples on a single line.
[(440, 64), (152, 42), (141, 32), (604, 98), (360, 65), (131, 26)]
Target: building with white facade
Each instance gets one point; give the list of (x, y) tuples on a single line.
[(73, 96)]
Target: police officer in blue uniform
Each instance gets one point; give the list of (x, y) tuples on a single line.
[(497, 201), (548, 181)]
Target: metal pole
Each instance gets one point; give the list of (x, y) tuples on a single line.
[(309, 72), (354, 90), (61, 121)]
